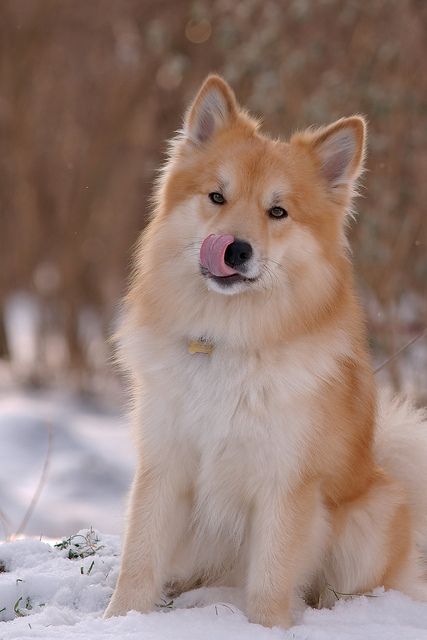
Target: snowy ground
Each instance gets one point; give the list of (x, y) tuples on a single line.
[(90, 463), (46, 594)]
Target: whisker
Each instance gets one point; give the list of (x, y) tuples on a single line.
[(276, 263)]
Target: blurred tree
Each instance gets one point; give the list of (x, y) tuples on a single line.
[(91, 90)]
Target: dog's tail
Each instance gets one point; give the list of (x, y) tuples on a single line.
[(401, 449)]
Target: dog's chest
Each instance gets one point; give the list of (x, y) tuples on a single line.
[(236, 426), (244, 415), (232, 414)]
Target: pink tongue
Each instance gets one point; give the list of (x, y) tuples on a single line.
[(212, 254)]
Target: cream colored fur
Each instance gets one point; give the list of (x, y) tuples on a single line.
[(267, 464)]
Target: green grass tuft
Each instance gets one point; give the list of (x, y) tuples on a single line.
[(80, 546)]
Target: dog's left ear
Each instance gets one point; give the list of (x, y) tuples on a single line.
[(213, 109), (339, 150)]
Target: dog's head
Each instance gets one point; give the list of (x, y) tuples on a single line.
[(239, 213)]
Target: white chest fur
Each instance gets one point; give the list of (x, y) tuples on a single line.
[(242, 418), (229, 427)]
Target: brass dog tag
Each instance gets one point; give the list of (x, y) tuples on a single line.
[(200, 346)]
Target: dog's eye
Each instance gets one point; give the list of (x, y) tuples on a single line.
[(277, 212), (217, 198)]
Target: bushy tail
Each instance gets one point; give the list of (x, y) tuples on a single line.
[(401, 449)]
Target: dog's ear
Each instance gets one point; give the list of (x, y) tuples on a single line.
[(213, 109), (339, 150)]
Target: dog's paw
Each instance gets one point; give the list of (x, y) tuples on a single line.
[(113, 611), (122, 603), (269, 615)]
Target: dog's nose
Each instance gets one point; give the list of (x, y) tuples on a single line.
[(237, 253)]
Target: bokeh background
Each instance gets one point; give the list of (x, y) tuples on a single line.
[(90, 90)]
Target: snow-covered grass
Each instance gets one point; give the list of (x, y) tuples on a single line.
[(60, 591)]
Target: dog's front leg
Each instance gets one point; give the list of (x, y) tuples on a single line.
[(288, 532), (157, 518)]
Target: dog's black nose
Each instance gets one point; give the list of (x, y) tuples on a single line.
[(237, 253)]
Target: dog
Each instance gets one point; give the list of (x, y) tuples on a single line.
[(266, 460)]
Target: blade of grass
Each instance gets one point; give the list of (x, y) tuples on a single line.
[(399, 351), (40, 484)]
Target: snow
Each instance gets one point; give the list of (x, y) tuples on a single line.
[(59, 597), (90, 465)]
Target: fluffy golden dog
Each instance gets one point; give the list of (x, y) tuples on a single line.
[(265, 459)]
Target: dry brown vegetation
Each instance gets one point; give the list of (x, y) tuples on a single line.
[(90, 90)]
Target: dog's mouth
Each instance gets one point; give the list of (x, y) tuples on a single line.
[(226, 281), (224, 260)]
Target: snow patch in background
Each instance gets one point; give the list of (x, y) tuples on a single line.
[(90, 466)]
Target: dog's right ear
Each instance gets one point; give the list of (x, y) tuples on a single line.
[(214, 108)]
